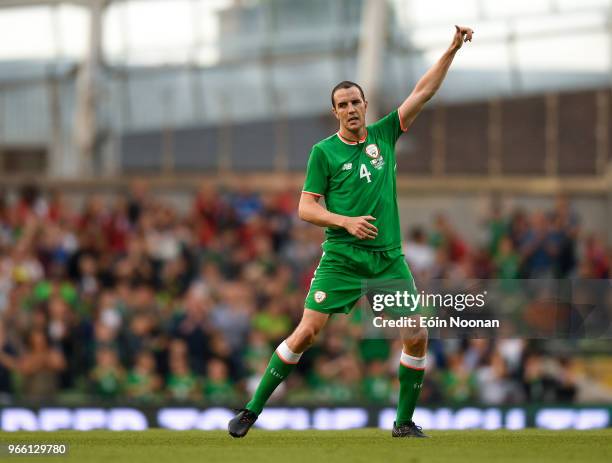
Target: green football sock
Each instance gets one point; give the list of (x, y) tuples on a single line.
[(411, 372), (282, 363)]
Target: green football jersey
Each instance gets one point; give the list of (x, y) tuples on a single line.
[(357, 179)]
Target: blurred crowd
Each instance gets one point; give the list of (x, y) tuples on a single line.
[(127, 299)]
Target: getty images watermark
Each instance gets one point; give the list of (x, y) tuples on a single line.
[(410, 303), (529, 309)]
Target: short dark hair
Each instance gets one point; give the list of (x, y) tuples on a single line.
[(345, 84)]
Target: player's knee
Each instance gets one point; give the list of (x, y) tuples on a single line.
[(302, 338), (415, 338), (308, 334)]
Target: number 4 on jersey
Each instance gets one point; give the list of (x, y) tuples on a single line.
[(364, 172)]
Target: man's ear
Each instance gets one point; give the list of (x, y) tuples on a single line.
[(366, 104), (335, 113)]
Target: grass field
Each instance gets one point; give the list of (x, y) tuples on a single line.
[(364, 445)]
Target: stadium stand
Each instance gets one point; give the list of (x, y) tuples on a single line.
[(131, 300)]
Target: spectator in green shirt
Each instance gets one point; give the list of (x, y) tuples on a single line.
[(377, 386), (507, 260), (108, 377), (274, 322), (459, 384), (218, 387), (143, 382), (182, 384)]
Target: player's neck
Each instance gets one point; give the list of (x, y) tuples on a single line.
[(353, 137)]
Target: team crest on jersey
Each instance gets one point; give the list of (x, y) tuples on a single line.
[(372, 151), (377, 163), (319, 296)]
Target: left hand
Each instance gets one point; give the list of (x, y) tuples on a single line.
[(462, 34)]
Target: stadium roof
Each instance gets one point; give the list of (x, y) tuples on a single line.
[(542, 34), (520, 46)]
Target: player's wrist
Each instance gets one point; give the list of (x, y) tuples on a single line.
[(341, 221), (453, 48)]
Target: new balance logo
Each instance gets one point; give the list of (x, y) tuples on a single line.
[(274, 372), (347, 166)]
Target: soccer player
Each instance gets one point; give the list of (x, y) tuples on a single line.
[(354, 170)]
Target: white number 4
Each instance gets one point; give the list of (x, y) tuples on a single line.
[(364, 172)]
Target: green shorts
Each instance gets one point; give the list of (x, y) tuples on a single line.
[(346, 273)]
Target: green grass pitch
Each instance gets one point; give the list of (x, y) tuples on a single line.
[(363, 445)]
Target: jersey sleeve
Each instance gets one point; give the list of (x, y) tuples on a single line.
[(317, 173), (389, 127)]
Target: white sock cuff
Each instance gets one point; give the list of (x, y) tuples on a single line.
[(286, 354), (416, 363)]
